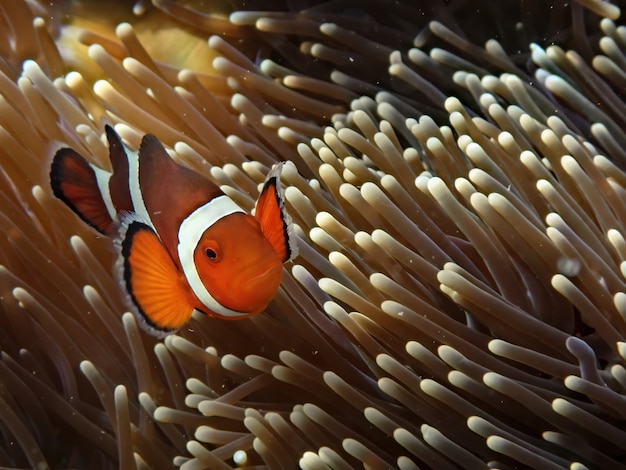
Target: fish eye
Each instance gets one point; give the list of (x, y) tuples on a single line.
[(212, 253)]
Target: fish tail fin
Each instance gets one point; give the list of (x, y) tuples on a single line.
[(76, 182)]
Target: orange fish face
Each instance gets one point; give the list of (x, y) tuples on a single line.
[(238, 265)]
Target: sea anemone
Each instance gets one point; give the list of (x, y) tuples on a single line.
[(460, 297)]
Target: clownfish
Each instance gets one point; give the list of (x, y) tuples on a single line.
[(182, 244)]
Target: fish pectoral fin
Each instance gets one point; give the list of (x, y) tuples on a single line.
[(73, 180), (158, 295), (276, 224)]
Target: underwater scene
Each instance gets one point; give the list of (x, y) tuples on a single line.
[(312, 234)]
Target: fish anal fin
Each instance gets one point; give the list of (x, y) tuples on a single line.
[(159, 297), (275, 223), (74, 181)]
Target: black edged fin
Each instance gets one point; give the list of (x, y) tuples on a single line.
[(157, 296), (74, 181), (276, 224)]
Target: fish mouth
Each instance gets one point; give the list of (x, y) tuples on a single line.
[(265, 273), (254, 293)]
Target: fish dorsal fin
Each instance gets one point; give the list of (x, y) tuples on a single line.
[(170, 192), (151, 145), (117, 150), (119, 184), (158, 295), (276, 224), (75, 182)]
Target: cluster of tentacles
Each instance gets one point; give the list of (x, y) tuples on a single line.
[(459, 194)]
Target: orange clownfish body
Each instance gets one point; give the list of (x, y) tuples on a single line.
[(182, 243)]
